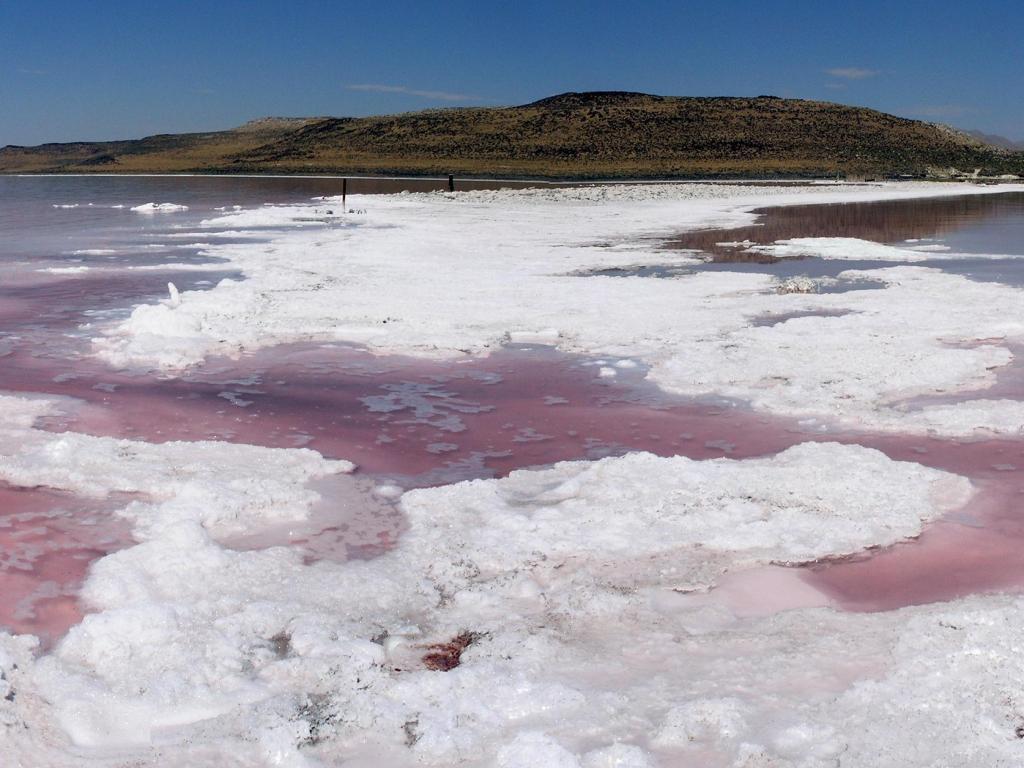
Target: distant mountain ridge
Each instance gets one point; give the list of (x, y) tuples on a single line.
[(571, 135), (995, 140)]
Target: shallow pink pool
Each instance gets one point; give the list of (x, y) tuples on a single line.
[(414, 423), (419, 423), (47, 542)]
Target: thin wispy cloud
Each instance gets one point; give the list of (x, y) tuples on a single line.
[(406, 91), (852, 73)]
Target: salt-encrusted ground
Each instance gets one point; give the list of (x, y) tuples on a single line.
[(537, 575), (453, 275), (548, 618)]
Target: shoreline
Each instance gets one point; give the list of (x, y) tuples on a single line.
[(552, 180)]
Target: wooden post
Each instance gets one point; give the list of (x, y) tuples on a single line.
[(451, 182), (344, 192)]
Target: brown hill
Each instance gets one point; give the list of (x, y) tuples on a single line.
[(573, 135)]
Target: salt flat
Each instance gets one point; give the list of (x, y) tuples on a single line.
[(442, 275), (546, 618), (195, 643)]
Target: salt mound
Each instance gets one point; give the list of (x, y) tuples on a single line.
[(793, 507), (159, 208), (851, 248)]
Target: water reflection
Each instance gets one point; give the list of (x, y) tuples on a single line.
[(992, 225), (967, 224), (42, 217)]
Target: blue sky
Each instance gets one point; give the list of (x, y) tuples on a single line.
[(103, 70)]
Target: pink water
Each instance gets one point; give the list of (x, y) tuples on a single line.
[(415, 423), (47, 542), (401, 420), (399, 416)]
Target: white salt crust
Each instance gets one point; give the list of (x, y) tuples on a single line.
[(448, 275), (851, 248), (571, 580), (838, 248), (224, 487), (576, 582), (159, 208)]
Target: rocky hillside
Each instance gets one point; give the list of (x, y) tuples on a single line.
[(580, 135), (164, 153)]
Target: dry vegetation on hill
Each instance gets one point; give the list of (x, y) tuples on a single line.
[(573, 135)]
